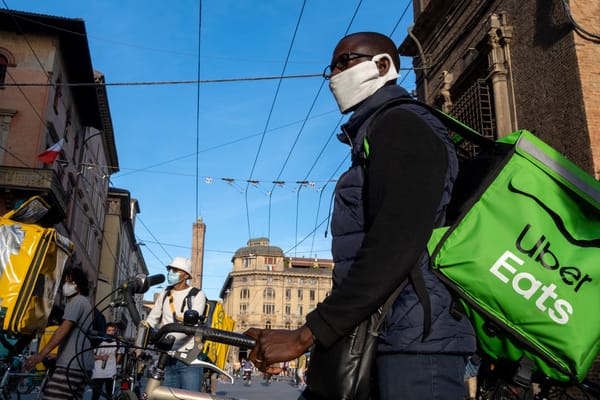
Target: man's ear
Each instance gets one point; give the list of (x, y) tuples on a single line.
[(383, 65)]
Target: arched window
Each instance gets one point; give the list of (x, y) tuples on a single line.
[(3, 67), (268, 325), (269, 293)]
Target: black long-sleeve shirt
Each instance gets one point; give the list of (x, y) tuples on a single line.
[(404, 182)]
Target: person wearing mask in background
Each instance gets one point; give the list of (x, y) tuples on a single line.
[(106, 357), (247, 372), (73, 364), (169, 307), (386, 206)]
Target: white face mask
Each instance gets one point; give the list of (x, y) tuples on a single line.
[(69, 289), (355, 84)]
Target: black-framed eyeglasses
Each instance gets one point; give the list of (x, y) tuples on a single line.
[(341, 62)]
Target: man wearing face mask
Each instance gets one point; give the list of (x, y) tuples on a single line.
[(386, 206), (169, 307), (73, 365)]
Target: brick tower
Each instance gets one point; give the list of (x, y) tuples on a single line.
[(198, 232)]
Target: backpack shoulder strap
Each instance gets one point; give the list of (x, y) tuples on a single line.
[(461, 130), (167, 293), (188, 298)]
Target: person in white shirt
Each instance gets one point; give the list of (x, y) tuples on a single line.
[(106, 357), (169, 307)]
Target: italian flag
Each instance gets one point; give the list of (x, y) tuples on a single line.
[(51, 152)]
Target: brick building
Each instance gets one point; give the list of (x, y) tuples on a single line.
[(504, 65), (41, 57), (49, 92)]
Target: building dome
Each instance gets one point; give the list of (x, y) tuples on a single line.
[(258, 246)]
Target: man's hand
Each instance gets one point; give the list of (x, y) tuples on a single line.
[(32, 360), (276, 345)]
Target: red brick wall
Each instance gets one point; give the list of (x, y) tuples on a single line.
[(587, 15)]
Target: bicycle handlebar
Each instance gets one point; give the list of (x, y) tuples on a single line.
[(212, 334), (105, 337), (142, 283)]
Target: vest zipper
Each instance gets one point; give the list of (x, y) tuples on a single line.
[(350, 142)]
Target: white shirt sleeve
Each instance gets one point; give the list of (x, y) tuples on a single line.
[(199, 303), (155, 315)]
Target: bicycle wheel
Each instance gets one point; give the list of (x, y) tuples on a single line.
[(126, 395), (41, 388), (25, 385)]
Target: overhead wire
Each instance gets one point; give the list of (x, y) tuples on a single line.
[(314, 101), (354, 14), (144, 241), (408, 5), (152, 251), (270, 114), (198, 109), (409, 2), (12, 16), (215, 147), (199, 260), (300, 131), (153, 237), (77, 204), (134, 45), (158, 83)]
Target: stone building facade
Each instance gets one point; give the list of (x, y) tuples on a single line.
[(267, 289), (121, 259)]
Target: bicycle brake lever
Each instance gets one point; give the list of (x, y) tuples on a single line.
[(194, 353), (211, 366)]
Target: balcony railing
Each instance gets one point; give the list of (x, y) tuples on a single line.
[(36, 181)]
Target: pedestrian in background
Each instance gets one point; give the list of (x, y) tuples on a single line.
[(107, 356), (73, 363), (471, 370), (301, 371), (247, 371), (236, 368), (169, 307)]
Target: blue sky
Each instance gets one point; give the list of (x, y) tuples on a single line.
[(188, 150)]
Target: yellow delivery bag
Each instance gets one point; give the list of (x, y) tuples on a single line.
[(216, 318), (32, 259)]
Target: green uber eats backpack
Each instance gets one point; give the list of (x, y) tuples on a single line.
[(521, 252)]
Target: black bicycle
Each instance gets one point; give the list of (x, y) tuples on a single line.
[(496, 381)]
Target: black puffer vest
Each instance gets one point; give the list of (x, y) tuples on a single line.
[(405, 321)]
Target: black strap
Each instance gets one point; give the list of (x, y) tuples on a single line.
[(462, 130), (387, 305), (187, 300), (524, 372), (418, 282)]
